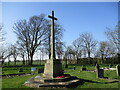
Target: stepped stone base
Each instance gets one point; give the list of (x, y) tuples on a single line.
[(41, 82)]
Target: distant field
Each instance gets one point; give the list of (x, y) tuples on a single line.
[(89, 79)]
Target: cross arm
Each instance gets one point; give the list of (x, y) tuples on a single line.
[(52, 17)]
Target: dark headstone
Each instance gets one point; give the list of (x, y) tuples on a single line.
[(118, 70), (100, 73), (83, 69), (21, 70), (74, 68), (40, 70)]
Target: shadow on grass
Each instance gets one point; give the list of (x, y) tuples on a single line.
[(82, 81), (90, 81)]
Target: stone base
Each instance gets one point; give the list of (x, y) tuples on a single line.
[(52, 68), (41, 82)]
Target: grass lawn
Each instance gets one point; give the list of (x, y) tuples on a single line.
[(91, 81), (88, 79), (16, 82), (15, 70)]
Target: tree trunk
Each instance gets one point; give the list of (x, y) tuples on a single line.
[(31, 59), (2, 61), (118, 58), (23, 60), (102, 58), (14, 61), (8, 60), (88, 54), (77, 60)]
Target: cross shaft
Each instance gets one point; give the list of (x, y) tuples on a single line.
[(52, 36)]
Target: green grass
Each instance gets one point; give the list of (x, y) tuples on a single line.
[(15, 70), (16, 82), (91, 81), (88, 79)]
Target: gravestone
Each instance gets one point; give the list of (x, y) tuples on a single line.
[(74, 68), (100, 72), (118, 70), (40, 70), (83, 68), (21, 70)]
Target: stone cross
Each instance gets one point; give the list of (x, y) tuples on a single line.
[(53, 66), (52, 36)]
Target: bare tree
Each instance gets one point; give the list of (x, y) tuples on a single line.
[(106, 50), (60, 49), (77, 48), (14, 53), (9, 49), (22, 53), (4, 54), (58, 37), (70, 53), (88, 43), (114, 36), (2, 33), (31, 34)]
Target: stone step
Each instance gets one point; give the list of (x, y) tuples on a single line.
[(32, 83), (59, 84), (45, 80)]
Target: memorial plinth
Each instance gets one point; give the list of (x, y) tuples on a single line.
[(53, 68)]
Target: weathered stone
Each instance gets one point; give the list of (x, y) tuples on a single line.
[(53, 69), (39, 82), (100, 73), (118, 70)]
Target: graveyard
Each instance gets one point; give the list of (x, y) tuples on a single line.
[(88, 78), (39, 59)]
